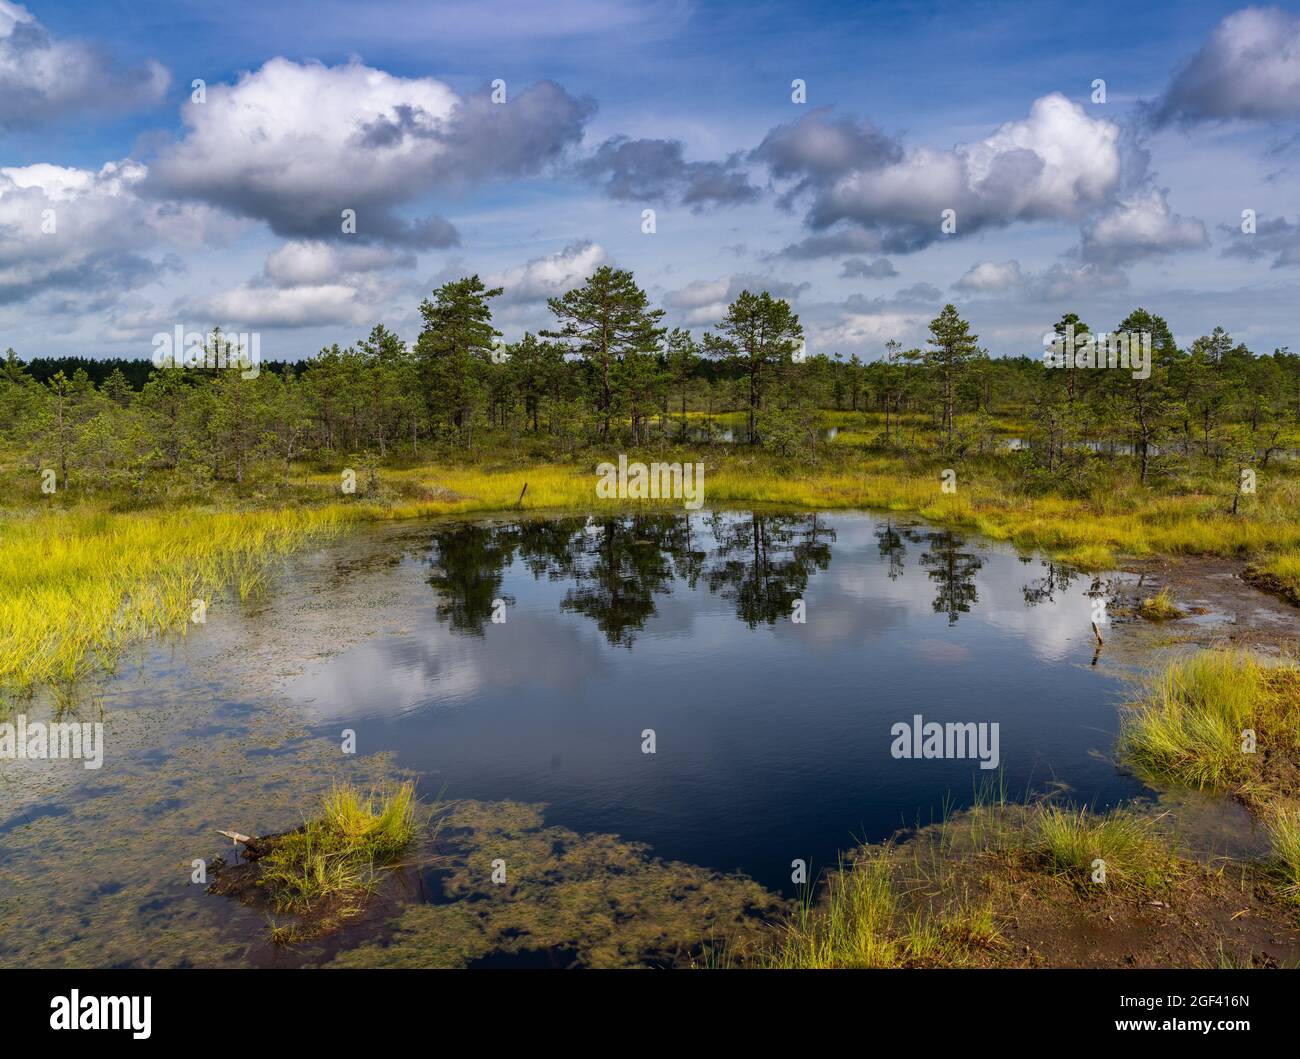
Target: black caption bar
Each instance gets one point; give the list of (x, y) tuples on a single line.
[(143, 1008)]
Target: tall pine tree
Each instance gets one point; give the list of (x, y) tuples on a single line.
[(607, 321)]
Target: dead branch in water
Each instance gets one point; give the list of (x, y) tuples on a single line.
[(236, 836), (254, 848)]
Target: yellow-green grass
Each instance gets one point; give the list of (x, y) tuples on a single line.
[(1278, 573), (854, 926), (910, 904), (1118, 518), (77, 583), (1159, 607), (863, 921), (336, 855), (1221, 719), (1119, 849), (1284, 838)]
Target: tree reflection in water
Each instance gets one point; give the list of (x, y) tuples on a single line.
[(953, 570), (619, 564)]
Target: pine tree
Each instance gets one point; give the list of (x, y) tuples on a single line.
[(683, 356), (953, 350), (537, 370), (606, 320), (1146, 400), (760, 336), (453, 349)]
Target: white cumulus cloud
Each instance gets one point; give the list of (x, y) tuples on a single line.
[(551, 275), (1059, 163), (66, 230), (1249, 68), (1140, 225), (43, 77), (297, 144), (991, 276)]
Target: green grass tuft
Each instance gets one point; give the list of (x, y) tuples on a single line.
[(1071, 843), (853, 927), (336, 855), (1188, 725), (1160, 607), (1284, 837)]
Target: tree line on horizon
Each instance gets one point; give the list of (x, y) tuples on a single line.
[(607, 371)]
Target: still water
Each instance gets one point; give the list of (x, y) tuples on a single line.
[(772, 735)]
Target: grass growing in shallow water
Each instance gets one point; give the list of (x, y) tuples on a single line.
[(77, 586), (1159, 607), (1192, 723), (78, 583), (334, 856), (322, 873), (940, 898)]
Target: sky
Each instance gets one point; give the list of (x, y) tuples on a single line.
[(304, 170)]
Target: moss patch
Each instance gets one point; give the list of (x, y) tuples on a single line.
[(606, 902)]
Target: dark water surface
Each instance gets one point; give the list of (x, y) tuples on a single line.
[(773, 737)]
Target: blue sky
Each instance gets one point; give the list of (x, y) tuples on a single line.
[(127, 207)]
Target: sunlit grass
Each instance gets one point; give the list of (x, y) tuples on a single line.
[(909, 904), (1118, 849), (1159, 607), (78, 583), (1189, 725), (1284, 839), (336, 854), (854, 926), (1092, 532)]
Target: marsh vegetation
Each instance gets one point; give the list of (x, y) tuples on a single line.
[(1031, 885)]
